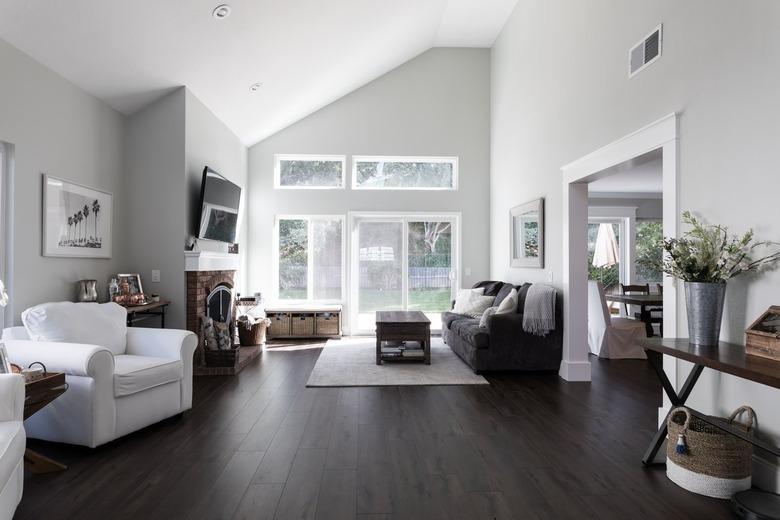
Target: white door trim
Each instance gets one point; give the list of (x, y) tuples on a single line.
[(661, 134)]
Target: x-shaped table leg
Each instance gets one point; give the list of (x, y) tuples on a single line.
[(676, 399)]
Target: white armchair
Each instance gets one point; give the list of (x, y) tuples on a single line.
[(109, 394), (12, 443)]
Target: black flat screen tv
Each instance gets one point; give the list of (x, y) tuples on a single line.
[(219, 202)]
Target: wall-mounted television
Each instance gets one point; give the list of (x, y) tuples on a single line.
[(219, 202)]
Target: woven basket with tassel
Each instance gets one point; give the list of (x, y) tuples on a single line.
[(707, 460)]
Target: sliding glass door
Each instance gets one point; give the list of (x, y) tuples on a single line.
[(402, 262)]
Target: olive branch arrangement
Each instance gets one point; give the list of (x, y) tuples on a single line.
[(707, 253)]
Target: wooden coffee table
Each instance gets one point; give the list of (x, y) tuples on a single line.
[(38, 394), (403, 326)]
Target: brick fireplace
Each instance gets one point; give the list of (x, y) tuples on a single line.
[(212, 274)]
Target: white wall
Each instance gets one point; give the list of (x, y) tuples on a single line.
[(436, 104), (155, 189), (58, 129), (560, 90)]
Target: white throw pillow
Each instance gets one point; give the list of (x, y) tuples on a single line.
[(485, 315), (508, 304), (103, 324), (478, 305), (463, 300)]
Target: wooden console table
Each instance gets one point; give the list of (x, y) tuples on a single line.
[(136, 313), (727, 358)]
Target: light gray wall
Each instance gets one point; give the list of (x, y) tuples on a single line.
[(156, 192), (168, 144), (646, 209), (436, 104), (58, 129), (209, 142), (560, 90)]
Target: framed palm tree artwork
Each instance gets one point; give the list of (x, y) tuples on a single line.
[(77, 220)]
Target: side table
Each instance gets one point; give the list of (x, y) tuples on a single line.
[(38, 394)]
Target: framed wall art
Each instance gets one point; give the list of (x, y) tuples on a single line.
[(77, 220)]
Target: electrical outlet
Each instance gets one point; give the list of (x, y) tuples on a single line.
[(155, 275)]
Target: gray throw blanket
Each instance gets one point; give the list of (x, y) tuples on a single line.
[(539, 312)]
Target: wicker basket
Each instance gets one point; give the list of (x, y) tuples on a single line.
[(706, 460), (222, 358), (251, 335), (280, 324), (302, 325), (327, 324)]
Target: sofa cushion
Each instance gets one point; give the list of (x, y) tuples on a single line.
[(12, 443), (491, 287), (471, 332), (448, 317), (503, 293), (133, 374), (509, 303), (102, 324)]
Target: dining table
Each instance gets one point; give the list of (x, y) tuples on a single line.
[(644, 301)]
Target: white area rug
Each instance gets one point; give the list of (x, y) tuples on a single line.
[(352, 362)]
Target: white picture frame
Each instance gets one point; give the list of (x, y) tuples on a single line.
[(5, 363), (134, 279), (526, 235), (77, 220)]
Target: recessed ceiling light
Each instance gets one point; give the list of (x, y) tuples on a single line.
[(255, 87), (221, 12)]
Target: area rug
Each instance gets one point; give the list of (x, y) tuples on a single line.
[(352, 362)]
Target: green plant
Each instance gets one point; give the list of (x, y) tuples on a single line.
[(707, 253)]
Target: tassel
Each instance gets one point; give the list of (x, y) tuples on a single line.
[(681, 448)]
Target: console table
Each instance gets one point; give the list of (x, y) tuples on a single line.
[(728, 358), (136, 313)]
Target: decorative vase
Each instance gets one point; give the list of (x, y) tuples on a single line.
[(87, 291), (705, 311)]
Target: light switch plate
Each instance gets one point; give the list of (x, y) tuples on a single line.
[(550, 276), (155, 275), (468, 271)]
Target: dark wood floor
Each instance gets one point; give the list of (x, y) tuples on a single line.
[(262, 446)]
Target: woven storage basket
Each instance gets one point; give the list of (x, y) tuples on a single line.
[(302, 324), (280, 324), (251, 335), (328, 324), (706, 460)]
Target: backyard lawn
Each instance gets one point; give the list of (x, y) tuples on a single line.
[(436, 300)]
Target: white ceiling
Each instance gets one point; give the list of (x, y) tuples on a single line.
[(306, 53), (640, 177)]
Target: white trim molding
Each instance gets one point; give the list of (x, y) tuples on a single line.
[(661, 134), (279, 157), (210, 261)]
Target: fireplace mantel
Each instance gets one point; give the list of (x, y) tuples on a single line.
[(210, 261)]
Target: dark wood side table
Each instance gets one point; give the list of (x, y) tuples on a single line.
[(38, 394), (403, 326), (137, 313), (725, 357)]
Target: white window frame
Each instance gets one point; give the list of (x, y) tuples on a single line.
[(309, 265), (278, 158), (404, 159)]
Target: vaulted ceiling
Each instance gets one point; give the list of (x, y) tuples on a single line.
[(305, 53)]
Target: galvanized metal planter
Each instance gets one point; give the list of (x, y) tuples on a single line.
[(705, 311)]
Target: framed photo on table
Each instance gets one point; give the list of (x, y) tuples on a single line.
[(77, 220), (5, 363), (134, 279)]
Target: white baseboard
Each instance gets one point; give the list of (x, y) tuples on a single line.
[(575, 371)]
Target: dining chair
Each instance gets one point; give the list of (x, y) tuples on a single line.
[(609, 336)]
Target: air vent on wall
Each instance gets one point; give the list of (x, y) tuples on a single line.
[(645, 52)]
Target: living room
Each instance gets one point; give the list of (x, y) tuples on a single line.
[(389, 316)]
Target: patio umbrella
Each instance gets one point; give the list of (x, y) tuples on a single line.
[(606, 251)]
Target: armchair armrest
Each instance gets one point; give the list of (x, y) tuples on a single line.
[(164, 343), (74, 359), (12, 397)]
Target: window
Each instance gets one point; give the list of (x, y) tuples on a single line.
[(310, 257), (405, 173), (649, 251), (309, 171)]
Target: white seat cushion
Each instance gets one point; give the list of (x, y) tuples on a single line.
[(12, 443), (133, 374), (103, 324)]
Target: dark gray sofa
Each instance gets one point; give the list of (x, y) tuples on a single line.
[(503, 344)]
